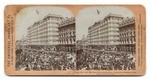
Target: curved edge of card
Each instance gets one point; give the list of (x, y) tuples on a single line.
[(139, 11)]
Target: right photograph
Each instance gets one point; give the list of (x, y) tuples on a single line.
[(105, 39)]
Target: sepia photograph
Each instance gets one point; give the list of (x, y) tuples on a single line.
[(45, 39), (105, 39), (75, 40)]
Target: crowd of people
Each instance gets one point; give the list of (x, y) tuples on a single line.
[(30, 59), (105, 60), (44, 60)]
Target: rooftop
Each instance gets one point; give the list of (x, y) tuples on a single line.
[(127, 21), (67, 21), (52, 15), (109, 15), (113, 15), (47, 16)]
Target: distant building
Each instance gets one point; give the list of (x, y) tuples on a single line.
[(20, 44), (67, 35), (44, 32), (82, 44), (105, 33), (127, 35)]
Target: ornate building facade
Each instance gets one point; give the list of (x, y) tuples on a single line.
[(104, 33), (67, 35), (44, 32), (127, 35)]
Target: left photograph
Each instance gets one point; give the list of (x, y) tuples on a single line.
[(45, 39)]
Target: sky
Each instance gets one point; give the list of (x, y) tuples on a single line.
[(27, 16), (88, 16)]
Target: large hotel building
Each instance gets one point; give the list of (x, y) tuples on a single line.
[(111, 32), (44, 32), (105, 32), (53, 33)]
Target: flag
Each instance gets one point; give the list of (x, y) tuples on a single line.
[(98, 12), (37, 11)]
